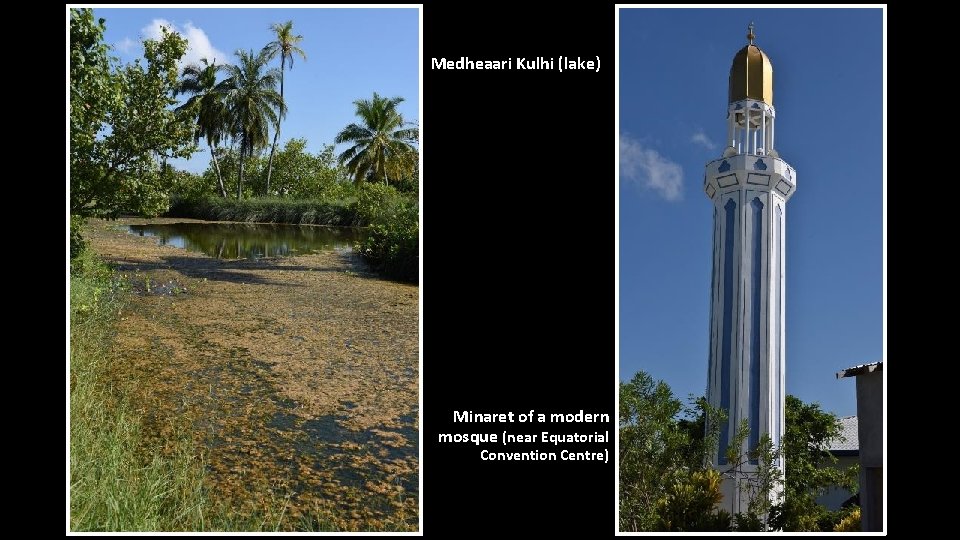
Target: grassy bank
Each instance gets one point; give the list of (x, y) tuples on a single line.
[(117, 481), (115, 484)]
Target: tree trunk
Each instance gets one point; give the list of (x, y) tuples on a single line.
[(276, 134), (240, 177), (216, 165)]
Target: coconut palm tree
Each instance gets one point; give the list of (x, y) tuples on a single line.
[(382, 141), (208, 107), (286, 46), (253, 104)]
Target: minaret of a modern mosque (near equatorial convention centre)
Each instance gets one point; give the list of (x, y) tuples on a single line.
[(749, 186)]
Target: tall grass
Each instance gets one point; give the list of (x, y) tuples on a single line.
[(118, 482), (115, 483)]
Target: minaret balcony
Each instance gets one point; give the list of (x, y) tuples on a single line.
[(749, 171)]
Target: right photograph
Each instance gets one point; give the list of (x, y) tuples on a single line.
[(751, 218)]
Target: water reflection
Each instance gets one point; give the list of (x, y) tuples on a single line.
[(251, 241)]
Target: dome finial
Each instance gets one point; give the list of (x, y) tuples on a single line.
[(750, 34)]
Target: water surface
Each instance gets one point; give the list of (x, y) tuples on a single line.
[(251, 240)]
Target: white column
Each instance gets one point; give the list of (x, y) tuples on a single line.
[(731, 121), (772, 125), (746, 128), (763, 128)]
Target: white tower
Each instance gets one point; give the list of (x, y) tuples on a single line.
[(749, 187)]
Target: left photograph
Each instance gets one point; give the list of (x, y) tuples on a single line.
[(243, 260)]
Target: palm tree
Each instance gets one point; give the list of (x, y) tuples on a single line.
[(253, 104), (207, 104), (382, 142), (285, 45)]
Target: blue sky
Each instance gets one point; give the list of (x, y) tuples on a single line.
[(351, 53), (828, 93)]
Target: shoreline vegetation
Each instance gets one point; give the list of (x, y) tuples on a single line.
[(392, 246), (237, 395)]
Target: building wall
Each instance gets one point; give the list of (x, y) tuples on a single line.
[(870, 413)]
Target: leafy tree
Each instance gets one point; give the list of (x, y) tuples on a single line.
[(666, 482), (382, 141), (808, 471), (253, 105), (302, 175), (122, 128), (658, 457), (207, 106), (286, 47)]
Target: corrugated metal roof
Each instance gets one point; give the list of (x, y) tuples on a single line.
[(848, 430), (860, 370)]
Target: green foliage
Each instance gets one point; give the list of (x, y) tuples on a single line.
[(77, 243), (850, 522), (392, 246), (382, 143), (660, 459), (808, 468), (122, 128), (689, 502), (253, 105), (114, 484), (757, 484), (187, 185), (286, 47), (267, 210), (377, 202), (298, 173), (207, 106), (665, 480)]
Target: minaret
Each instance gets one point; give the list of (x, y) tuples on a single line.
[(749, 187)]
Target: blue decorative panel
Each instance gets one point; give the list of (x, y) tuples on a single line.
[(778, 275), (724, 167), (756, 105), (726, 350), (756, 208), (711, 376), (738, 107), (759, 165)]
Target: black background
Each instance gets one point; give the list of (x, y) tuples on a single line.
[(518, 261)]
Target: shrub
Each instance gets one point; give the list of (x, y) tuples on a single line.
[(850, 523), (77, 243), (392, 246)]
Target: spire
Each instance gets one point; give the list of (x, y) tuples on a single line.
[(750, 35)]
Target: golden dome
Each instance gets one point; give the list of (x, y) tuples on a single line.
[(751, 75)]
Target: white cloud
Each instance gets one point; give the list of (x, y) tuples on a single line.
[(647, 168), (701, 138), (198, 44), (126, 45)]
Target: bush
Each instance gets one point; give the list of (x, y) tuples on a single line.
[(377, 203), (77, 243), (393, 244), (850, 523)]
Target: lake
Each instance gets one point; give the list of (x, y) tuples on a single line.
[(251, 240)]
